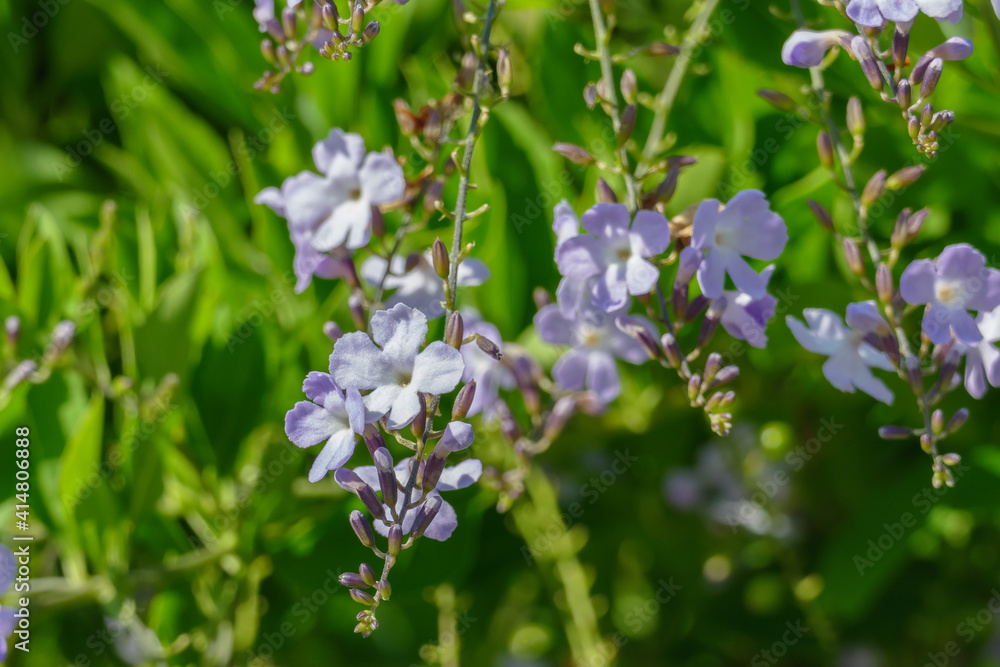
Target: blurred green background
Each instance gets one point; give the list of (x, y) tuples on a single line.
[(195, 509)]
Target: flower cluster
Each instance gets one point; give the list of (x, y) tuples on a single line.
[(884, 68)]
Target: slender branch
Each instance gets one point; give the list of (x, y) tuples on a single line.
[(602, 38), (470, 143), (665, 100)]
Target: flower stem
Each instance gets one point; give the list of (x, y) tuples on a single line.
[(610, 91), (469, 143)]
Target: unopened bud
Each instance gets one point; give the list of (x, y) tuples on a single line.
[(874, 189), (361, 597), (662, 49), (267, 50), (288, 22), (419, 422), (332, 331), (489, 347), (905, 177), (574, 154), (433, 469), (956, 421), (824, 147), (425, 515), (505, 73), (822, 215), (694, 387), (62, 336), (627, 125), (900, 44), (384, 589), (357, 18), (712, 366), (927, 115), (724, 376), (362, 529), (883, 283), (439, 255), (852, 254), (915, 222), (779, 101), (855, 117), (330, 16), (629, 86), (590, 95), (605, 194), (463, 402), (386, 476), (395, 539), (711, 321), (937, 422), (942, 118), (454, 330), (931, 78), (352, 580), (19, 374), (895, 432), (904, 94), (915, 375), (370, 32), (671, 350), (913, 127), (367, 574), (899, 237)]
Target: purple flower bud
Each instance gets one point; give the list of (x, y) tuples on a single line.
[(956, 421), (900, 233), (62, 336), (883, 283), (419, 422), (852, 254), (433, 469), (937, 422), (352, 580), (895, 432), (425, 514), (489, 347), (367, 573), (712, 366), (694, 388), (662, 49), (627, 125), (371, 501), (874, 189), (913, 127), (589, 97), (954, 48), (19, 374), (357, 18), (900, 44), (362, 529), (941, 119), (454, 330), (855, 117), (822, 215), (927, 115), (561, 412), (463, 402), (330, 16), (905, 177), (711, 321), (332, 331), (605, 194), (724, 376), (395, 539), (915, 374), (439, 256), (370, 32), (824, 148), (861, 51), (629, 86), (931, 78), (951, 459), (574, 154), (671, 350), (778, 100), (386, 476), (904, 94)]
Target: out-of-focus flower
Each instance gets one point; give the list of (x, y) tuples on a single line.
[(330, 414), (874, 13), (420, 287), (982, 360), (565, 223), (745, 227), (489, 374), (264, 14), (807, 48), (595, 342), (614, 254), (393, 366), (745, 317), (8, 570), (850, 357), (951, 285)]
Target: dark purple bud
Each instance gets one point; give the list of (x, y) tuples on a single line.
[(371, 501), (425, 515), (956, 421), (917, 73), (439, 254), (895, 432), (822, 215), (463, 402), (927, 115), (904, 94), (855, 117), (874, 189), (698, 304), (605, 194), (362, 529), (627, 125), (931, 78), (711, 321), (395, 539), (489, 347), (361, 597), (370, 32), (433, 469), (454, 330), (590, 95), (386, 476), (883, 283), (671, 350), (900, 44), (779, 101), (332, 331), (942, 118), (330, 16), (852, 253), (367, 574), (949, 367), (664, 192), (352, 580), (574, 154)]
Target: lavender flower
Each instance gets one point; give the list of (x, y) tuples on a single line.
[(420, 287), (850, 357), (335, 208), (614, 254), (596, 342), (956, 281), (745, 317), (565, 223), (330, 414), (264, 14), (982, 360), (807, 48), (393, 366), (489, 374), (874, 13), (454, 477), (745, 227)]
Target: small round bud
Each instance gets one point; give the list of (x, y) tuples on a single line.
[(370, 32), (384, 589), (352, 580), (367, 574), (332, 331)]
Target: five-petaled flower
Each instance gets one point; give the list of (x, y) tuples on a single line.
[(874, 13), (745, 317), (393, 367), (613, 254), (745, 227), (850, 357), (951, 285), (330, 414)]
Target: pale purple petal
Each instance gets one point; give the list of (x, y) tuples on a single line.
[(317, 385), (745, 278), (405, 408), (610, 290), (898, 10), (975, 374), (863, 12), (335, 453), (444, 523), (959, 261), (706, 217), (338, 143), (606, 221), (399, 331), (349, 223), (471, 273), (273, 198), (916, 285), (807, 48), (570, 371), (712, 273), (565, 223), (640, 275), (936, 324), (954, 48), (460, 475), (382, 179), (865, 316), (438, 369), (308, 424), (457, 436), (579, 257), (354, 407), (356, 362), (380, 401), (602, 376), (650, 233), (553, 326), (965, 327)]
